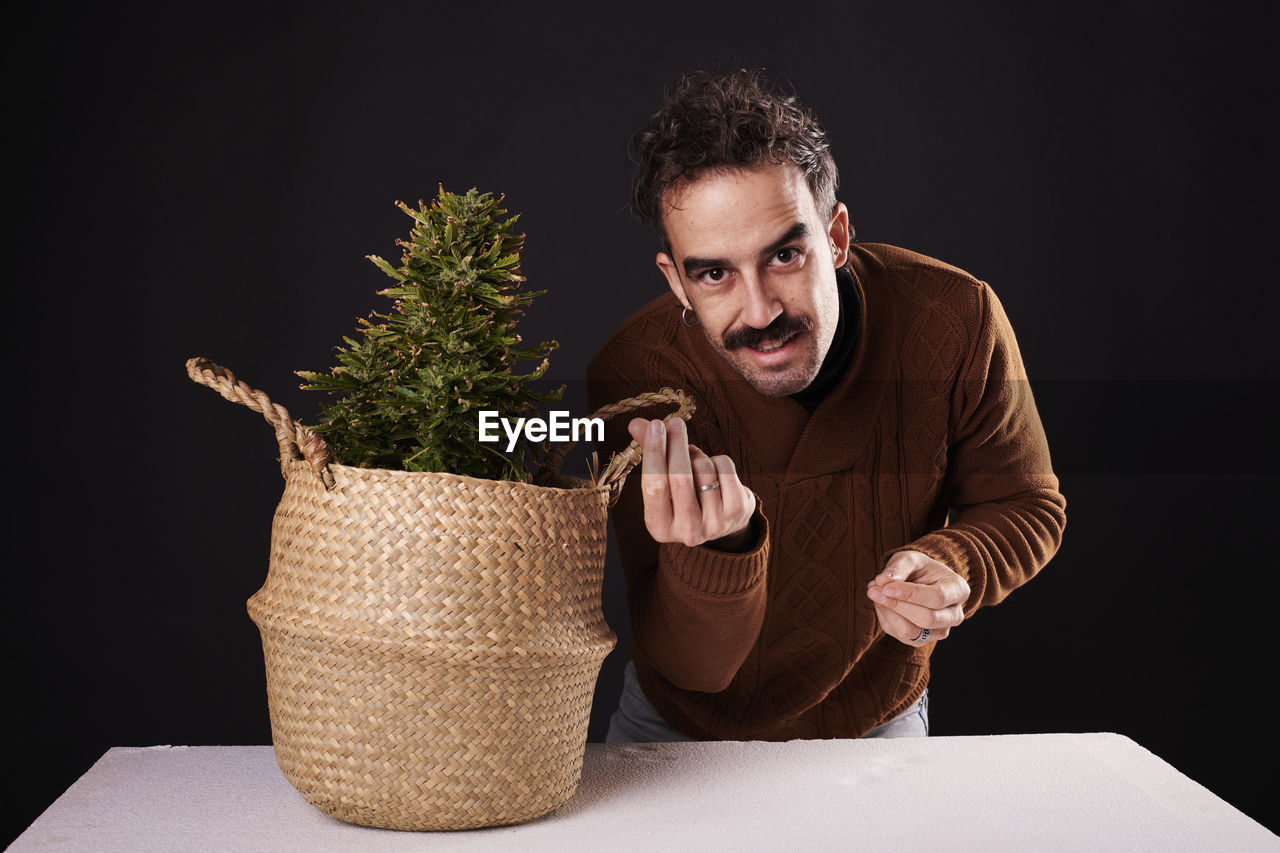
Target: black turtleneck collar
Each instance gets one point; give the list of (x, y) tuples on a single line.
[(848, 327)]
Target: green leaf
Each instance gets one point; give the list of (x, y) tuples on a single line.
[(387, 268)]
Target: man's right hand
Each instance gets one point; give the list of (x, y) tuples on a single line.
[(681, 504)]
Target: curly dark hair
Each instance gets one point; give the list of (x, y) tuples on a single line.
[(729, 120)]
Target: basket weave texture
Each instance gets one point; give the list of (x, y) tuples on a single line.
[(431, 641)]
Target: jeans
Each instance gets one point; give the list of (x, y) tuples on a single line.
[(636, 720)]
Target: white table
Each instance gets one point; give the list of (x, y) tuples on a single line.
[(1071, 792)]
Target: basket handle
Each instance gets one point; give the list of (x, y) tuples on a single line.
[(615, 473), (299, 442), (292, 437)]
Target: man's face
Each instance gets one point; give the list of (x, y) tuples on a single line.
[(752, 256)]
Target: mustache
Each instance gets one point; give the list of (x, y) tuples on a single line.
[(783, 326)]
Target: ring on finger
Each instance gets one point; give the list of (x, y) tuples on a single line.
[(706, 487), (924, 636)]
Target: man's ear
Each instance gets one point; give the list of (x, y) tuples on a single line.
[(839, 234), (669, 270)]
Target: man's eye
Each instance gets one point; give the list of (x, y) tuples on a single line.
[(715, 276), (786, 256)]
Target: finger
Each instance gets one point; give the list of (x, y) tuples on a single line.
[(686, 514), (935, 586), (653, 482), (902, 565), (924, 617), (706, 484), (738, 501), (896, 626), (906, 631), (638, 428), (934, 596)]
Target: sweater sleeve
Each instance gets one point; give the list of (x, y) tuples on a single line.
[(695, 612), (1007, 515)]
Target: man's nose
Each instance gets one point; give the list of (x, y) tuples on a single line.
[(761, 307)]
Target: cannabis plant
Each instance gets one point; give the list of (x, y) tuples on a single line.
[(410, 386)]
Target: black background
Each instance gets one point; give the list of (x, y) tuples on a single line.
[(208, 182)]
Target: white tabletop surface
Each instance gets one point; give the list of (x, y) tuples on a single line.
[(1070, 792)]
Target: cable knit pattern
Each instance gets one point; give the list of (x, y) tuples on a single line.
[(934, 417)]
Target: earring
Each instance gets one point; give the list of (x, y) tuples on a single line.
[(684, 317)]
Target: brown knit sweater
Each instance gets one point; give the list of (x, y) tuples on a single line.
[(934, 415)]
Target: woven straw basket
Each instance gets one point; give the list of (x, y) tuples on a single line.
[(431, 641)]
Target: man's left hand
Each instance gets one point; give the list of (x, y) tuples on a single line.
[(914, 592)]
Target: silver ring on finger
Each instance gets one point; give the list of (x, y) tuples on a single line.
[(709, 486), (924, 636)]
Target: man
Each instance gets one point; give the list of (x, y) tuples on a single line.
[(866, 467)]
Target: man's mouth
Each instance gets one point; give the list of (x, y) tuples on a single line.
[(774, 353), (781, 332), (771, 346)]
